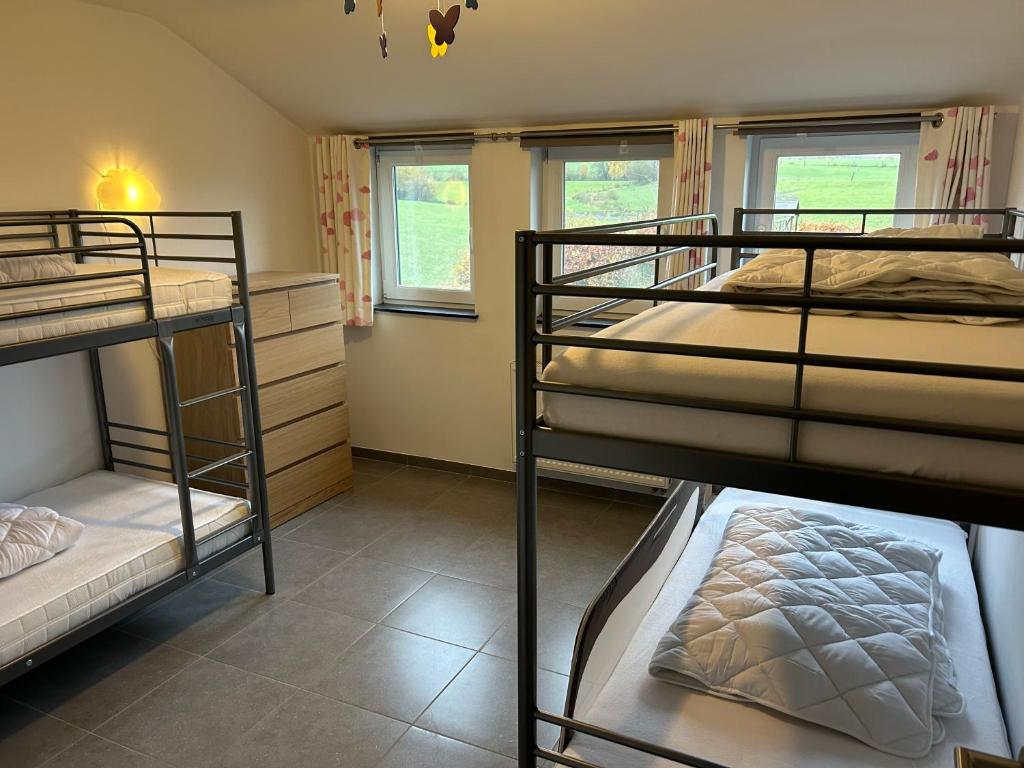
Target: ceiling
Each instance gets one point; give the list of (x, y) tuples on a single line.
[(523, 62)]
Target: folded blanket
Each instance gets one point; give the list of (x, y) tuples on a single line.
[(977, 278), (30, 535), (832, 622)]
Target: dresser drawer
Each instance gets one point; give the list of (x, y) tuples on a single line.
[(301, 439), (292, 399), (317, 304), (285, 356), (295, 484), (271, 313)]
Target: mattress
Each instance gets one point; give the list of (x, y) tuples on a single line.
[(175, 292), (927, 398), (132, 540), (737, 734)]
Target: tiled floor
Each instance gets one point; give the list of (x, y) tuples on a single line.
[(390, 641)]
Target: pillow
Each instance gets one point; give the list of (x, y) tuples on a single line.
[(962, 231), (30, 535), (17, 269)]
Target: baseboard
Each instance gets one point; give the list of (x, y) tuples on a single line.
[(552, 483)]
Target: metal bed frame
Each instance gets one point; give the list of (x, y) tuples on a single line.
[(536, 287), (79, 234)]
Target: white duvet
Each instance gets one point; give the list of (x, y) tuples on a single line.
[(31, 535), (836, 623), (977, 278)]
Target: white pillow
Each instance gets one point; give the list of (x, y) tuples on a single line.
[(30, 535), (959, 231), (44, 266)]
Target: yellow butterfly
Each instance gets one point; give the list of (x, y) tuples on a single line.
[(435, 49)]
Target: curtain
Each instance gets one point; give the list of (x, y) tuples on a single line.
[(343, 203), (954, 161), (691, 191)]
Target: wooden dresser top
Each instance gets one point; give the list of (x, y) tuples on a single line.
[(277, 279)]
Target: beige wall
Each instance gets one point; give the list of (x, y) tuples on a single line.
[(1015, 197), (87, 88)]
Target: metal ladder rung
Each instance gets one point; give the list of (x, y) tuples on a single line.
[(218, 464), (211, 396)]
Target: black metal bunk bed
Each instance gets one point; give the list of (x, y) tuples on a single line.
[(537, 283), (119, 237)]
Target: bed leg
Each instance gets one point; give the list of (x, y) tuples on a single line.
[(526, 495)]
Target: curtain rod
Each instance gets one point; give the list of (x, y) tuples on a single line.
[(903, 118), (465, 137)]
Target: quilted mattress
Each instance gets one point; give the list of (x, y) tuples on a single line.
[(175, 292), (739, 734), (131, 541)]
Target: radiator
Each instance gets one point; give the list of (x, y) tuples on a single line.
[(582, 473)]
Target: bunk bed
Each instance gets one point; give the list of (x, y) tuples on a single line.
[(110, 284), (681, 390)]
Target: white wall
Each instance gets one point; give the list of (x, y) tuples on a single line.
[(89, 88)]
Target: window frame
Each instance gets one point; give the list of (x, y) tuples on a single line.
[(553, 199), (392, 291), (764, 151)]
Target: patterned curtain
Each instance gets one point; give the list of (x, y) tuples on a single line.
[(691, 193), (343, 202), (953, 166)]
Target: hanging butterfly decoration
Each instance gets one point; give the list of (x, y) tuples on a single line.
[(440, 26)]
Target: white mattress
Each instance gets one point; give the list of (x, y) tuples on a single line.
[(131, 541), (736, 734), (175, 292), (949, 401)]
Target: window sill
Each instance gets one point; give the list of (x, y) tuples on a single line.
[(466, 313)]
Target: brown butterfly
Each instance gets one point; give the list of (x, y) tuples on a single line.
[(444, 25), (383, 40)]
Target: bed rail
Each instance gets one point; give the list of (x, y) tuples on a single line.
[(536, 288)]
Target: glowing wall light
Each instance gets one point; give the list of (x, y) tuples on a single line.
[(122, 189)]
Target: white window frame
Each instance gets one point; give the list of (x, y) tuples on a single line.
[(393, 292), (764, 152), (553, 211)]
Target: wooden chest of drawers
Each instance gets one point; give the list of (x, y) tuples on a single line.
[(300, 368)]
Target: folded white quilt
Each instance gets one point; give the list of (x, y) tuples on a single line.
[(832, 622), (978, 278), (30, 535)]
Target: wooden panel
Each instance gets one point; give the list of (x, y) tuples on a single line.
[(295, 353), (297, 485), (300, 439), (294, 398), (315, 305), (271, 279), (270, 313)]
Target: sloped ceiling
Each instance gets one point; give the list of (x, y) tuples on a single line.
[(522, 62)]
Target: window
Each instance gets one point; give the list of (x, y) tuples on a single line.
[(867, 170), (588, 186), (426, 243)]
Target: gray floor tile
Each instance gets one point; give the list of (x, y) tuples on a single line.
[(346, 529), (490, 559), (296, 566), (314, 731), (372, 469), (408, 491), (293, 643), (92, 682), (610, 532), (364, 588), (572, 576), (94, 752), (29, 738), (429, 544), (455, 611), (392, 672), (558, 624), (200, 617), (423, 749), (190, 718), (480, 705)]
